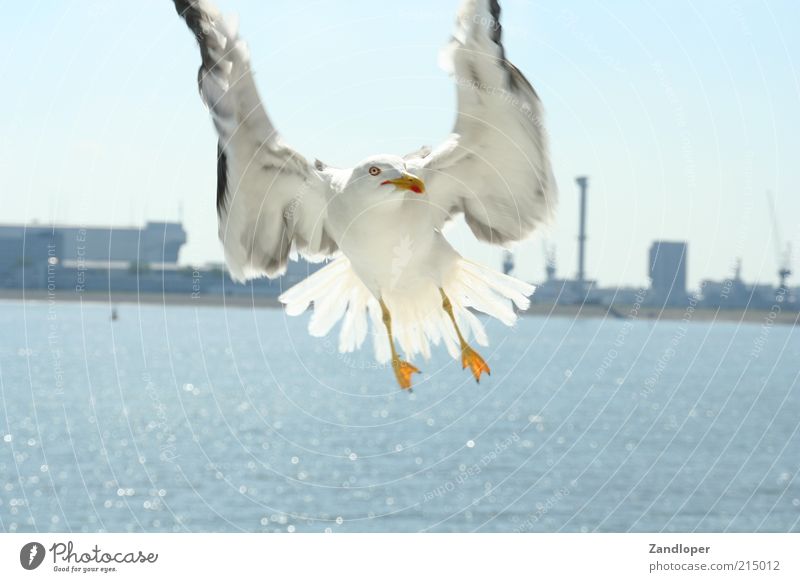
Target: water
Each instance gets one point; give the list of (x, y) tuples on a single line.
[(210, 419)]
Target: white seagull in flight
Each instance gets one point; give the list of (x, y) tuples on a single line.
[(380, 221)]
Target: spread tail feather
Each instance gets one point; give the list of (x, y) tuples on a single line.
[(418, 319)]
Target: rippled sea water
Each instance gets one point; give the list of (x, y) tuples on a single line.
[(210, 419)]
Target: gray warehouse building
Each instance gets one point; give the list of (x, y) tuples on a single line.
[(157, 242), (667, 271), (76, 260)]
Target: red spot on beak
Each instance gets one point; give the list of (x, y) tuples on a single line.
[(406, 183)]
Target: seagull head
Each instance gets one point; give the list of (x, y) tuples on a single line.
[(386, 174)]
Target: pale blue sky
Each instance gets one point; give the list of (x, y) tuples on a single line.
[(682, 113)]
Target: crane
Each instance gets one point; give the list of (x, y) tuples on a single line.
[(550, 261), (783, 253)]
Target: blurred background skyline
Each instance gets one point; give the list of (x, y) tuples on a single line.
[(682, 115)]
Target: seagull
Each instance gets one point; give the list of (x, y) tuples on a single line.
[(390, 271)]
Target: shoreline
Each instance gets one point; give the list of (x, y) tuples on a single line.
[(586, 311)]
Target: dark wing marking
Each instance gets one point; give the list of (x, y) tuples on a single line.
[(270, 199), (495, 166)]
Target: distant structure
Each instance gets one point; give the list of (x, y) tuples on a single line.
[(734, 293), (157, 242), (76, 260), (508, 262), (569, 291), (550, 262), (34, 251), (667, 270), (583, 183), (783, 255), (555, 290)]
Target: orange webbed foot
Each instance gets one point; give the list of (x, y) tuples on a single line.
[(476, 363), (403, 371)]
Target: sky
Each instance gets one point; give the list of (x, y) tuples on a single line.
[(683, 114)]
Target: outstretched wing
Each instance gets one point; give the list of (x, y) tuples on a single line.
[(495, 166), (270, 199)]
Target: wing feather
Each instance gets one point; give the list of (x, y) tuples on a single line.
[(495, 166), (270, 200)]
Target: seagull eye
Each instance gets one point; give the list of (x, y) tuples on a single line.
[(374, 171)]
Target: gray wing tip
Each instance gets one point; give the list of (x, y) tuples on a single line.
[(515, 77), (195, 18), (222, 179)]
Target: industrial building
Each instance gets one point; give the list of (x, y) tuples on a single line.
[(667, 272), (569, 291), (77, 260), (157, 242)]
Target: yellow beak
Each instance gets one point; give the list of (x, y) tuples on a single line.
[(407, 182)]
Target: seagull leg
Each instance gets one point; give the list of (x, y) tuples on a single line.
[(402, 369), (469, 357)]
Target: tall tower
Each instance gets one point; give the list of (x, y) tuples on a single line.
[(583, 183)]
